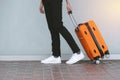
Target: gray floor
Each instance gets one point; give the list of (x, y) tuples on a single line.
[(84, 70)]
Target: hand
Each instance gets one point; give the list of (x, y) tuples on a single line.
[(69, 8), (41, 8)]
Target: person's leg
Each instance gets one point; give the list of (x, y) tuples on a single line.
[(53, 10), (58, 24), (55, 58), (54, 33), (57, 14)]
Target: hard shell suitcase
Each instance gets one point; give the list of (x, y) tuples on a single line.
[(91, 40), (98, 39)]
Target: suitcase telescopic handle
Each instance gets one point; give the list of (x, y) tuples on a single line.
[(73, 19)]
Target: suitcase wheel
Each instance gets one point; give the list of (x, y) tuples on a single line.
[(97, 62), (107, 55)]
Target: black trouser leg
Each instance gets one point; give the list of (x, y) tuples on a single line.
[(51, 25), (53, 10)]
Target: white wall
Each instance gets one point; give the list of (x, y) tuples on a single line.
[(24, 32)]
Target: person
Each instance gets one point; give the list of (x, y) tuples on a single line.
[(53, 12)]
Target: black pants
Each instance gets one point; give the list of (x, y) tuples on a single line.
[(53, 11)]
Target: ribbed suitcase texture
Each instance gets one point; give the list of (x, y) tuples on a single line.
[(92, 40)]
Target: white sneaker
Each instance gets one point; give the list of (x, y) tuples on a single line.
[(75, 58), (51, 60)]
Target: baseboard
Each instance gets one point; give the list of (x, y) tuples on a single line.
[(40, 57)]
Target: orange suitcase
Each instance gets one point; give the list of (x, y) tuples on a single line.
[(98, 37), (91, 40)]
